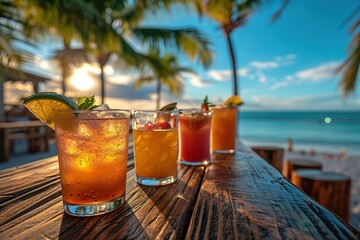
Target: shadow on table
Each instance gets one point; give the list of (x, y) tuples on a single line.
[(172, 205)]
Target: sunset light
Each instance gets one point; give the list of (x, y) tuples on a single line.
[(81, 79)]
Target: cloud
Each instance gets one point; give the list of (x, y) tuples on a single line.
[(223, 75), (319, 73), (243, 72), (195, 80), (220, 75), (257, 69), (120, 79), (308, 102), (286, 60), (316, 74), (264, 65)]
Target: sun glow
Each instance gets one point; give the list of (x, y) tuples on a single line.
[(81, 79)]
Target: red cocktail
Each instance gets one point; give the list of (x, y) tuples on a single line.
[(194, 128)]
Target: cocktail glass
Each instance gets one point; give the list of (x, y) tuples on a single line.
[(93, 155), (155, 136), (194, 126), (223, 129)]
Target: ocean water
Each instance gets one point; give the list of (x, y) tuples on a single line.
[(321, 131)]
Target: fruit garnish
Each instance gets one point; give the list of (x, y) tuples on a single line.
[(45, 105), (148, 126), (163, 125), (206, 104), (169, 107), (233, 101)]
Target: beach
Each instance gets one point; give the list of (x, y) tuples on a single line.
[(349, 167)]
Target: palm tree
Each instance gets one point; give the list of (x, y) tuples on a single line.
[(231, 15), (70, 20), (67, 59), (105, 27), (11, 57), (125, 20), (165, 71), (350, 66)]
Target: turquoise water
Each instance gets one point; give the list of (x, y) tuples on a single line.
[(323, 131)]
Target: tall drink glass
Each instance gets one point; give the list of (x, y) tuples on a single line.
[(155, 136), (223, 129), (93, 155), (194, 129)]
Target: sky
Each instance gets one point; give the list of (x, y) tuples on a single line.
[(284, 65)]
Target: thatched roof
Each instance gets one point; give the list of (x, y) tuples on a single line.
[(12, 75)]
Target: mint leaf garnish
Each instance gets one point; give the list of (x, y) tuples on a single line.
[(86, 103)]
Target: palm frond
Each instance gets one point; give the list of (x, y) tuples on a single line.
[(142, 80), (189, 40), (350, 68), (220, 11)]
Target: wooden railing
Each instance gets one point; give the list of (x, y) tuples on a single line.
[(36, 132)]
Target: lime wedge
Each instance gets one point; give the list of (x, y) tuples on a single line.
[(45, 105), (233, 100), (169, 107)]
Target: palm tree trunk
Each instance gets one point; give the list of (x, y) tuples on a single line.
[(64, 77), (64, 66), (233, 63), (158, 93), (102, 79), (2, 83)]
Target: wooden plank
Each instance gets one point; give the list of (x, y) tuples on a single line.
[(21, 124), (31, 206), (244, 197)]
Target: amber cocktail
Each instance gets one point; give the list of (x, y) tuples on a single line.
[(155, 136), (93, 154), (223, 129), (194, 130)]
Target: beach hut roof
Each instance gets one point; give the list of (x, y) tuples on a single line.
[(16, 75)]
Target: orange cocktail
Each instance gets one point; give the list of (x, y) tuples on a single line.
[(223, 128), (155, 147), (93, 154)]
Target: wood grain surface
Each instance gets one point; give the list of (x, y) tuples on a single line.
[(238, 196)]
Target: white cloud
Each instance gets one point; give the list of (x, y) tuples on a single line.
[(243, 72), (279, 85), (223, 75), (196, 80), (319, 73), (308, 102), (262, 77), (220, 75), (286, 60), (120, 79), (316, 74), (264, 65)]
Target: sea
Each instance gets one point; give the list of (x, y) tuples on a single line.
[(329, 132)]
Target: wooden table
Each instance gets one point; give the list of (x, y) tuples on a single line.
[(33, 130), (238, 196)]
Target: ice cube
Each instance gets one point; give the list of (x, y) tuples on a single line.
[(103, 107), (84, 131)]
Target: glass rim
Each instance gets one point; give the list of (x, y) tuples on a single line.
[(155, 111), (222, 106), (196, 111), (93, 110)]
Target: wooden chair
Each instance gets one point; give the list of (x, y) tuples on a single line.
[(331, 190), (291, 165), (273, 155)]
